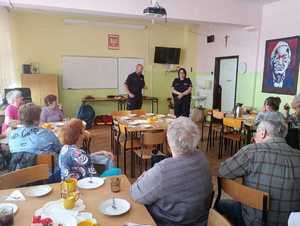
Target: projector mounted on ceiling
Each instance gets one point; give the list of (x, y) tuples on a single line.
[(155, 10)]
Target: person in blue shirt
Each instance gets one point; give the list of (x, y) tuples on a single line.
[(75, 162), (29, 140)]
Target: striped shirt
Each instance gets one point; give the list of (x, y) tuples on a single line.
[(176, 190), (272, 167)]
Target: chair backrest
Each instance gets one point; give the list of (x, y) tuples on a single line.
[(120, 113), (47, 159), (216, 219), (153, 137), (218, 114), (233, 123), (246, 195), (24, 176), (138, 112)]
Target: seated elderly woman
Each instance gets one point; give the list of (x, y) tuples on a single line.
[(14, 99), (177, 190), (270, 110), (294, 118), (29, 140), (73, 161), (52, 112)]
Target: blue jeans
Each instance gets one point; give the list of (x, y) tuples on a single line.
[(232, 210)]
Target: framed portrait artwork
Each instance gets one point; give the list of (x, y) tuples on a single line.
[(113, 41), (281, 66)]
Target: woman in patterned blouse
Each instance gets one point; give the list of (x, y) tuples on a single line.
[(73, 161)]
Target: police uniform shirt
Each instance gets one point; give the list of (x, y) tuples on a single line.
[(181, 86), (135, 84)]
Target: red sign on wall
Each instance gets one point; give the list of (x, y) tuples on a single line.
[(113, 41)]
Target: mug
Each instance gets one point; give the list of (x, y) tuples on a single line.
[(86, 223), (68, 186), (115, 184), (69, 202)]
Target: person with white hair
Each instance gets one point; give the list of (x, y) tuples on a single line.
[(14, 99), (177, 190), (269, 165)]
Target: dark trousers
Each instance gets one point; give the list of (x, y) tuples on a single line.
[(232, 210), (182, 108), (134, 103)]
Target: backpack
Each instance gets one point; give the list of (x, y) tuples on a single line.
[(86, 113)]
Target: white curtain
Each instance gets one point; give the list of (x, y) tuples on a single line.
[(8, 77)]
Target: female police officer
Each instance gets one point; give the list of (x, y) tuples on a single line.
[(181, 90)]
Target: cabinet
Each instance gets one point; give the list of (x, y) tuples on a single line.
[(40, 85)]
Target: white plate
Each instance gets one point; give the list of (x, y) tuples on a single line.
[(11, 205), (132, 115), (150, 114), (125, 117), (38, 191), (160, 116), (61, 217), (90, 183), (58, 124), (122, 207), (146, 126)]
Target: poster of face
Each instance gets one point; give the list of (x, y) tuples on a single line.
[(281, 66), (113, 41)]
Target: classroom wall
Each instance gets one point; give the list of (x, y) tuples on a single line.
[(44, 39), (280, 19), (240, 42)]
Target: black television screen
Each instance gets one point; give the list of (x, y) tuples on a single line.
[(164, 55)]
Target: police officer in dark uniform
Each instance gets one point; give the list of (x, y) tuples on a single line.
[(134, 85), (181, 90)]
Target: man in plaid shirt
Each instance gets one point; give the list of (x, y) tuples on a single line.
[(269, 165)]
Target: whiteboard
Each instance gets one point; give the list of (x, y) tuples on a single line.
[(126, 66), (89, 72)]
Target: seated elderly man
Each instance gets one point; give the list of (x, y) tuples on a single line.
[(177, 190), (269, 165), (30, 140)]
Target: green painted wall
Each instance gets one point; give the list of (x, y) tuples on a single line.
[(44, 39)]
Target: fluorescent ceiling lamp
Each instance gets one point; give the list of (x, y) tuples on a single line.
[(103, 24)]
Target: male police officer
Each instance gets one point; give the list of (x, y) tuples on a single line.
[(134, 85)]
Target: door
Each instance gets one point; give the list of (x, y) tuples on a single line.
[(226, 78)]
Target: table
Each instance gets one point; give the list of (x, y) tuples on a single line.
[(160, 124), (121, 101), (92, 199)]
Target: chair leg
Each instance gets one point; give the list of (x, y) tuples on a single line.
[(208, 138), (221, 147), (231, 148), (132, 165), (146, 164), (124, 159)]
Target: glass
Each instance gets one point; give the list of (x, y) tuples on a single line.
[(115, 184), (7, 216)]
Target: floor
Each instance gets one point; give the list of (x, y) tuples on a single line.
[(101, 141)]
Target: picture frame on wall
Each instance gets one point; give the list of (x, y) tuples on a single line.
[(113, 41), (281, 67)]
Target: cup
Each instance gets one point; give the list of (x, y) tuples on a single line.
[(86, 223), (69, 202), (115, 184), (7, 216), (68, 186)]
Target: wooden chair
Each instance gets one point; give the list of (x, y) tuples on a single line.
[(149, 140), (24, 176), (215, 127), (115, 131), (47, 159), (246, 195), (138, 112), (127, 142), (216, 219), (231, 133)]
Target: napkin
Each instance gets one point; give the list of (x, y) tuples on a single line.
[(16, 196)]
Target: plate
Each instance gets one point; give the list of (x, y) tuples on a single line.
[(61, 217), (160, 116), (132, 115), (90, 183), (38, 191), (58, 124), (122, 206), (10, 205), (146, 126)]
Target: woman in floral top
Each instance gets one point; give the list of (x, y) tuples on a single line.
[(73, 161)]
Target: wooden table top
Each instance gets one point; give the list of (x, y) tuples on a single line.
[(92, 199), (159, 124)]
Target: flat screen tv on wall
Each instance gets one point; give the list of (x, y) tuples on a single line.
[(164, 55)]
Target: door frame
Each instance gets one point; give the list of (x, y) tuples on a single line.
[(217, 105)]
